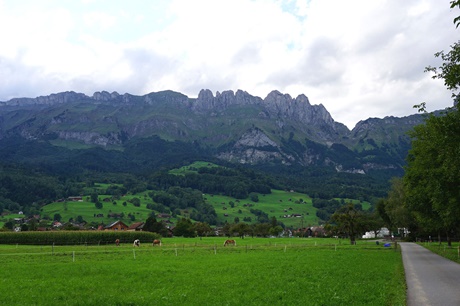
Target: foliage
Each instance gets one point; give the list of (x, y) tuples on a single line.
[(394, 209), (184, 227), (433, 173), (74, 237), (432, 178), (152, 225), (350, 221), (202, 229)]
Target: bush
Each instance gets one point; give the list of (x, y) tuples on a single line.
[(75, 237)]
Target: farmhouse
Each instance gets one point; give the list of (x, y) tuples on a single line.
[(116, 226), (138, 226), (75, 199)]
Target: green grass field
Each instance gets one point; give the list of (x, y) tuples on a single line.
[(292, 208), (202, 272), (87, 209), (277, 204), (452, 253)]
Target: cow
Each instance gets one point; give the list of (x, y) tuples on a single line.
[(137, 243), (117, 242), (229, 242), (156, 242)]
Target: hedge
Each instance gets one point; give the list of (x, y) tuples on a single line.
[(75, 237)]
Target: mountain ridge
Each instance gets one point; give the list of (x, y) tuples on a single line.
[(236, 126)]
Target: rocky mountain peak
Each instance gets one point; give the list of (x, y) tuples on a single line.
[(207, 102), (105, 96)]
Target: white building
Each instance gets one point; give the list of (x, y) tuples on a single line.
[(380, 234)]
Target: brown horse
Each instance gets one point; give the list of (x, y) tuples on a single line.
[(117, 242), (156, 242), (229, 242)]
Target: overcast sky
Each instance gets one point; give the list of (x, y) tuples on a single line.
[(359, 59)]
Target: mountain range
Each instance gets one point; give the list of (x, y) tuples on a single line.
[(232, 126)]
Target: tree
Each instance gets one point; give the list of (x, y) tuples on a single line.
[(202, 228), (9, 225), (349, 220), (373, 222), (241, 229), (57, 217), (94, 197), (135, 201), (432, 177), (262, 229), (276, 230), (184, 227), (395, 210)]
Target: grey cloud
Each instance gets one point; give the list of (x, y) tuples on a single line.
[(320, 65)]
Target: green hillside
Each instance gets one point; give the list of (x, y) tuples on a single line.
[(278, 204), (88, 211)]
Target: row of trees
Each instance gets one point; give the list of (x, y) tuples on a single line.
[(427, 199)]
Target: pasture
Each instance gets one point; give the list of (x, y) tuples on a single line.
[(277, 204), (257, 271), (90, 213)]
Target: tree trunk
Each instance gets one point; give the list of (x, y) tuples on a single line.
[(352, 240)]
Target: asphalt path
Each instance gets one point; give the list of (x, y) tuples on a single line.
[(431, 279)]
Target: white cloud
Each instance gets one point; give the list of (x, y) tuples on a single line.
[(359, 58)]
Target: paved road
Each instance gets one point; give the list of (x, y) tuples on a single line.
[(431, 279)]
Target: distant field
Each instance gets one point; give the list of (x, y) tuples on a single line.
[(202, 272), (292, 208), (277, 204), (192, 168), (87, 209)]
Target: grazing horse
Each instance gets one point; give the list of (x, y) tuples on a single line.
[(229, 242), (156, 242), (137, 243), (117, 242)]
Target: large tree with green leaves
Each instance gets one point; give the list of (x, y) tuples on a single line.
[(433, 173), (349, 220), (393, 209), (432, 177)]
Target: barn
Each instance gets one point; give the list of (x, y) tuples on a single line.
[(116, 226), (138, 226)]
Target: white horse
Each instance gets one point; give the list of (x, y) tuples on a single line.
[(137, 243)]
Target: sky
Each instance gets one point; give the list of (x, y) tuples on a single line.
[(358, 58)]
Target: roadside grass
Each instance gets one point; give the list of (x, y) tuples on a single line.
[(202, 272), (452, 253)]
